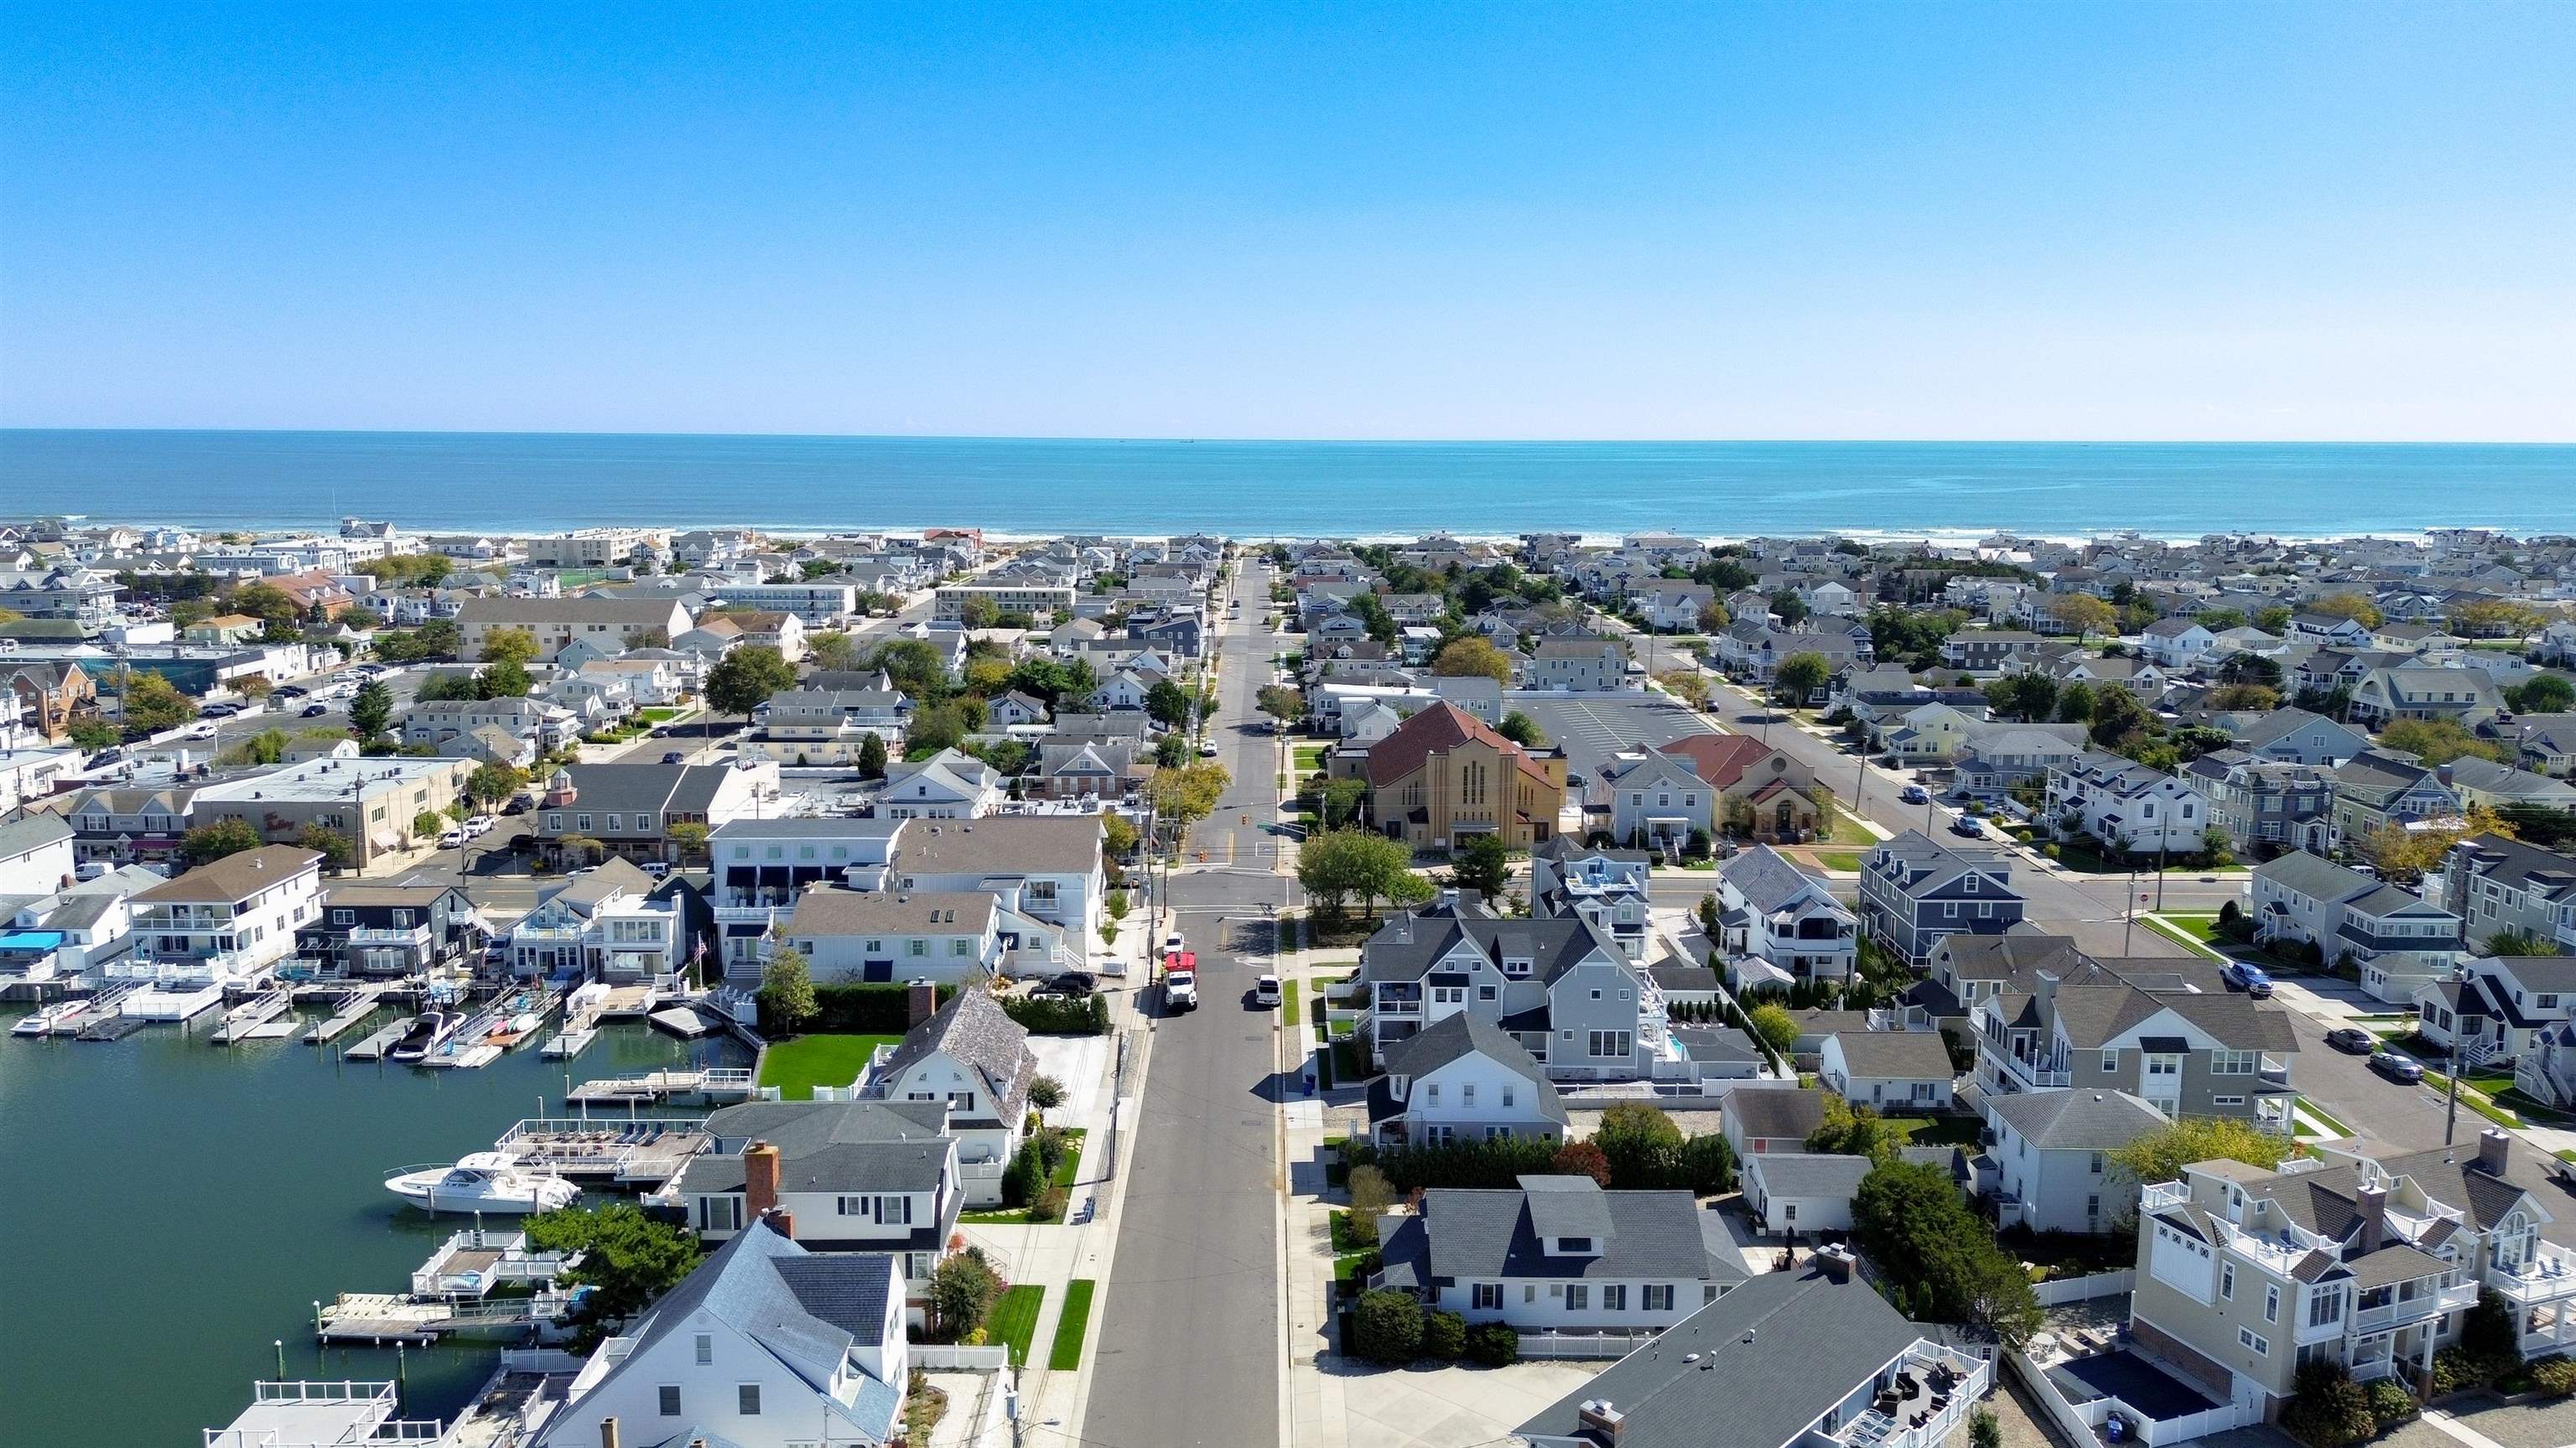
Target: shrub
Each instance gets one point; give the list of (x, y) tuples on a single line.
[(1985, 1430), (2554, 1375), (2453, 1370), (1493, 1344), (1048, 1206), (2328, 1409), (1088, 1017), (2390, 1405), (866, 1010), (1371, 1194), (1046, 1093), (1387, 1327), (1025, 1177), (1444, 1336)]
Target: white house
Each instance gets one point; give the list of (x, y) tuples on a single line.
[(949, 785), (1654, 799), (1462, 1079), (2129, 808), (2053, 1149), (225, 923), (1770, 909), (1799, 1191), (1558, 1252), (765, 1345), (2176, 643), (36, 855), (2399, 942), (1890, 1070), (971, 1055)]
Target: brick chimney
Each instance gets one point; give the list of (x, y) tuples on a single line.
[(759, 1180), (782, 1221), (921, 1002), (608, 1432), (2494, 1148), (1596, 1419), (2372, 1203)]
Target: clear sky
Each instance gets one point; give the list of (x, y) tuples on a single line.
[(1277, 220)]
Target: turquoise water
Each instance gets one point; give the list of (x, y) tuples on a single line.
[(174, 1208), (530, 481)]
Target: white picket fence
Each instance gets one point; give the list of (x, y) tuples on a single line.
[(952, 1357), (2084, 1289)]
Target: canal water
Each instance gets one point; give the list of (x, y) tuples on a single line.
[(170, 1209)]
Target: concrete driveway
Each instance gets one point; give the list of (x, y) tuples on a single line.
[(1457, 1406)]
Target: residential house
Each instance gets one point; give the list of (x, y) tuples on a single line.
[(1761, 793), (2053, 1154), (2505, 1009), (1096, 769), (226, 923), (1463, 1078), (45, 696), (832, 726), (36, 855), (2326, 631), (1581, 665), (1992, 651), (1048, 867), (1610, 888), (1652, 800), (62, 935), (127, 826), (950, 937), (1444, 775), (2177, 643), (1669, 606), (555, 622), (1770, 909), (2502, 786), (763, 1345), (1559, 986), (1988, 761), (1914, 891), (2497, 885), (1016, 708), (631, 808), (1811, 1358), (2183, 1049), (1558, 1252), (950, 785), (1791, 1192), (1888, 1070), (1771, 1116), (451, 725), (2466, 697), (2544, 743), (2379, 788), (369, 929), (2263, 807), (2127, 808), (975, 1058), (845, 1176), (613, 923)]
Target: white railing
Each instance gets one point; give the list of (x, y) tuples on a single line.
[(2035, 1076), (2546, 1277), (2413, 1309), (2161, 1195)]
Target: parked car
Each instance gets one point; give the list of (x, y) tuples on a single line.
[(1072, 985), (2249, 976), (1265, 991), (219, 711), (1173, 944), (674, 756), (1967, 827), (2352, 1040), (1913, 794), (450, 839), (2397, 1066), (479, 824), (315, 711), (1207, 751), (291, 691)]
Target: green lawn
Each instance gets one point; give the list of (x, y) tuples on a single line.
[(1839, 860), (1288, 1004), (1066, 1354), (1937, 1130), (1310, 757), (658, 715), (1015, 1320), (1849, 831), (799, 1065), (1065, 1171), (2192, 930)]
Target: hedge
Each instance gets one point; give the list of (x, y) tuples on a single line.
[(1494, 1165), (1086, 1017), (874, 1009)]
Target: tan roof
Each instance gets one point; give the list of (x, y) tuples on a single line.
[(234, 877), (999, 845), (891, 912)]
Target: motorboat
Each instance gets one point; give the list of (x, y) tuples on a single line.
[(486, 1181), (427, 1030)]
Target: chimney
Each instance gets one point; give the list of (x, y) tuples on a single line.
[(1595, 1419), (2493, 1145), (759, 1179), (2372, 1203), (1449, 899), (1835, 1263), (608, 1432), (921, 1002)]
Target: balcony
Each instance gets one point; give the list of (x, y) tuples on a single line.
[(2548, 1277), (2026, 1074), (1929, 1394), (390, 937), (2413, 1309)]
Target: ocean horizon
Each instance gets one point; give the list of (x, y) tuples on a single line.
[(534, 482)]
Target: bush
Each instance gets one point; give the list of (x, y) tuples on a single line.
[(1046, 1093), (866, 1010), (1493, 1344), (2554, 1375), (1386, 1328), (2329, 1409), (1048, 1206), (1985, 1430), (1444, 1336), (1371, 1194), (2454, 1370), (2390, 1405), (1492, 1165), (1025, 1177), (1087, 1017)]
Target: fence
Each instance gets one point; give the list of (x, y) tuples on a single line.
[(1579, 1345), (944, 1356), (2079, 1422), (2083, 1289)]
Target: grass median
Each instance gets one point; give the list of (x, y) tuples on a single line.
[(1066, 1352), (1015, 1320)]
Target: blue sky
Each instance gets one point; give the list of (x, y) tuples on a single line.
[(1410, 221)]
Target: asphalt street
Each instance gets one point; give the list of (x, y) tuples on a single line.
[(1190, 1349)]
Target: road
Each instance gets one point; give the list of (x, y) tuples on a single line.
[(1190, 1349)]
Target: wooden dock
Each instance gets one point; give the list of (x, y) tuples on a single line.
[(368, 1000), (723, 1083), (394, 1317), (374, 1047)]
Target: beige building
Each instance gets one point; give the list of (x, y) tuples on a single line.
[(371, 802), (614, 624), (1443, 776)]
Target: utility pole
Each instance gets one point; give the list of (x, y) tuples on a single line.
[(2451, 1095), (2129, 927)]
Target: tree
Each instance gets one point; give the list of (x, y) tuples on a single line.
[(1713, 617), (1341, 865), (1483, 865), (91, 733), (1789, 608), (689, 838), (787, 1000), (492, 782), (371, 710), (1773, 1026), (2220, 620), (1917, 1227), (1522, 730), (2327, 1409), (1800, 676), (281, 618), (1642, 1145), (941, 726), (1340, 801), (427, 825), (963, 1290), (1581, 1158), (2519, 942), (1468, 657), (335, 848), (834, 650), (1281, 703), (2496, 618), (2259, 698), (1853, 1131), (1687, 685), (1167, 704), (912, 665), (2347, 605), (2403, 854), (2250, 668), (2075, 703), (744, 679), (872, 757), (2438, 741), (577, 849), (2026, 696), (152, 704), (628, 1260), (2541, 694), (215, 839), (1386, 1328), (2082, 613), (1046, 1093), (1117, 836), (509, 645), (1371, 1195), (2160, 1155)]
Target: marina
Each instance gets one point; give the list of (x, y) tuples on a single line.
[(640, 1153), (374, 1047), (253, 1015)]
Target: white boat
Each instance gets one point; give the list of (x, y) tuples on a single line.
[(487, 1181), (45, 1020)]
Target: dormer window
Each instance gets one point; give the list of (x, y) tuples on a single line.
[(1574, 1245)]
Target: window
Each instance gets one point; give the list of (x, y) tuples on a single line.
[(1612, 1044), (1578, 1297), (2111, 1060), (2325, 1306), (2226, 1100), (1488, 992), (1467, 1093), (2227, 1280), (1788, 1211), (706, 1349), (1614, 1297), (1707, 1293), (2097, 1163), (1529, 1292), (1433, 1096), (2233, 1063), (1508, 1095), (916, 947), (613, 824), (2093, 1206), (747, 1400), (2271, 1303), (1487, 1297), (2250, 1338), (582, 822), (1659, 1297), (670, 1400)]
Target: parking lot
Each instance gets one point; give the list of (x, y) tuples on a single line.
[(1592, 727)]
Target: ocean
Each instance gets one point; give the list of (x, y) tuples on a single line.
[(532, 482)]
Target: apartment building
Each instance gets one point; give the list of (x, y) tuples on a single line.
[(1038, 600), (2399, 941), (611, 623), (371, 802)]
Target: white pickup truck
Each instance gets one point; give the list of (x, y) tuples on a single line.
[(1181, 983)]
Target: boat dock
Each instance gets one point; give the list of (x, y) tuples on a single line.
[(252, 1017), (111, 1028), (715, 1084), (646, 1152), (65, 1018), (582, 1010), (378, 1318), (180, 1003), (373, 1048), (503, 1022), (350, 1005)]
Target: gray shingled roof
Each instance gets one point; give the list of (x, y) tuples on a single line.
[(1767, 881), (1775, 1111), (1825, 1176), (1405, 948), (827, 1146), (1450, 1037), (1896, 1055), (2080, 1120), (1567, 1206), (2315, 876), (1470, 1233), (973, 1031)]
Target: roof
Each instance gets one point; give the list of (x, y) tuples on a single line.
[(829, 1146), (1000, 844), (32, 833), (1437, 729), (2077, 1120), (1896, 1055), (1720, 759), (1751, 1370), (1463, 1233), (650, 788), (1462, 1034), (1768, 882), (972, 1031), (830, 910), (1775, 1112), (1809, 1174), (1406, 946), (1566, 1206), (235, 877)]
